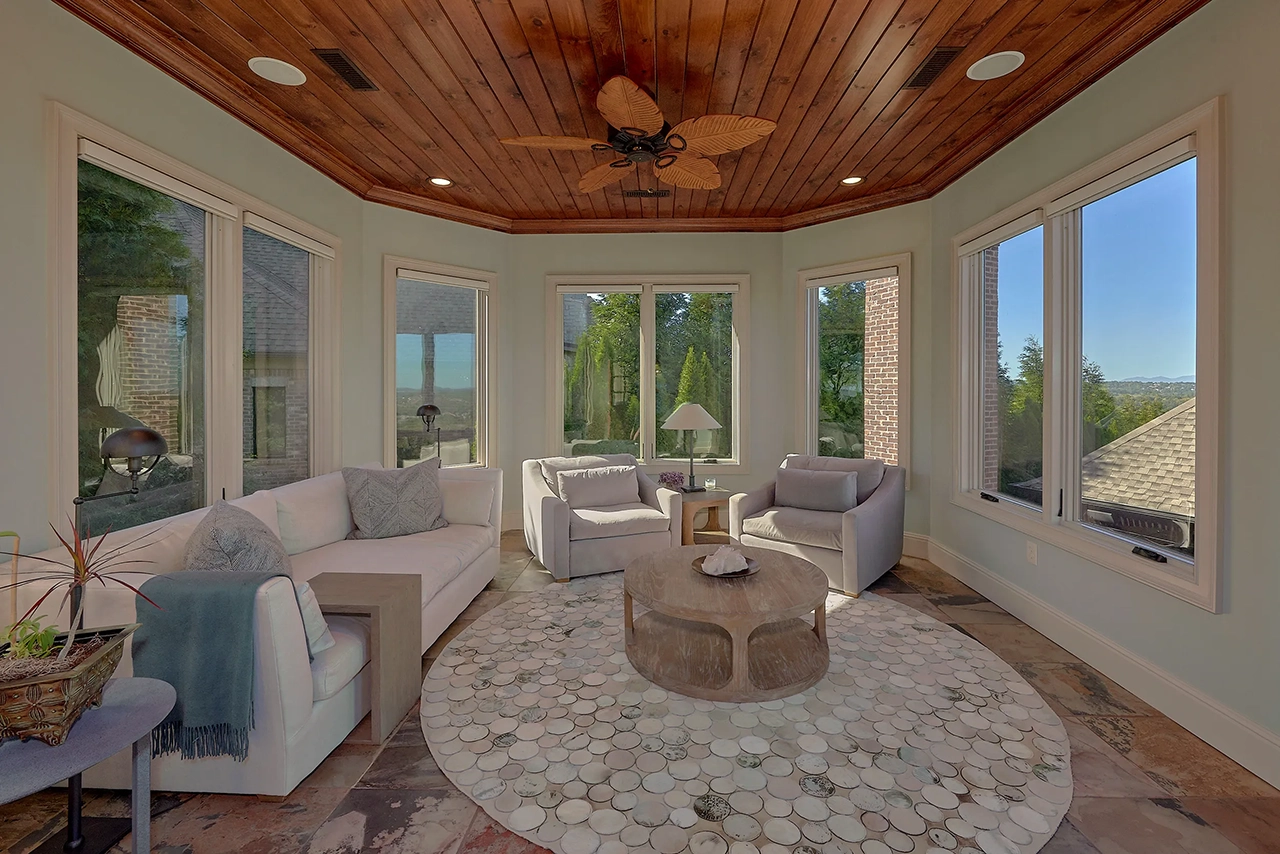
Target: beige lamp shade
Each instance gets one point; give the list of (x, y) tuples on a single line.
[(690, 416)]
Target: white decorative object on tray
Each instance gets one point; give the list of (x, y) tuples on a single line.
[(725, 560)]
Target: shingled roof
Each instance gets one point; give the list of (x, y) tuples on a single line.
[(1152, 467)]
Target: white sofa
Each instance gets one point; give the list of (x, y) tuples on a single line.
[(304, 709), (573, 542), (853, 548)]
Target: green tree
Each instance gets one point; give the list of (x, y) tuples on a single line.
[(603, 378), (841, 350)]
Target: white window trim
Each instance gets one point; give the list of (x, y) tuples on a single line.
[(486, 283), (1198, 582), (806, 345), (72, 136), (738, 283)]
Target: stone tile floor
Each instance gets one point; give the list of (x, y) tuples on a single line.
[(1143, 784)]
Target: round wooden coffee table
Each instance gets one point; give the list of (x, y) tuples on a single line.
[(731, 640)]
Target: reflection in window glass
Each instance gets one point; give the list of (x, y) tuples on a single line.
[(1138, 383), (601, 373), (1012, 406), (694, 349), (857, 370), (437, 362), (140, 328), (277, 431)]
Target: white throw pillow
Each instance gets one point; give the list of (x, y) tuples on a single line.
[(552, 466), (314, 512), (807, 489), (602, 486), (467, 502), (319, 638)]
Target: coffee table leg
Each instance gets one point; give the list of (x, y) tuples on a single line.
[(142, 795), (628, 622), (820, 622), (740, 674)]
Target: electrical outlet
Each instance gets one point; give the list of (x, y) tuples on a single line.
[(1033, 552)]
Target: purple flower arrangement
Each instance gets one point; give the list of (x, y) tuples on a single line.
[(671, 479)]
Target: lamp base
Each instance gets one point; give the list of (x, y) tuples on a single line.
[(687, 489)]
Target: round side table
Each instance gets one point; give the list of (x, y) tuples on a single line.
[(130, 709)]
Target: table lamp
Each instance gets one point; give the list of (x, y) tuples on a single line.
[(691, 416)]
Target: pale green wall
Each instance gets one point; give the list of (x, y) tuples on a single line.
[(1227, 48)]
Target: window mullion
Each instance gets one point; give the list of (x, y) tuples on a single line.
[(224, 406), (648, 373), (1063, 359)]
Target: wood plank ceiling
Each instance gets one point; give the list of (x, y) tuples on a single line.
[(454, 76)]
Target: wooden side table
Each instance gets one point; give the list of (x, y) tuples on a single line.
[(393, 604), (692, 502)]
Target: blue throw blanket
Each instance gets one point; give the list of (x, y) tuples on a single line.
[(200, 641)]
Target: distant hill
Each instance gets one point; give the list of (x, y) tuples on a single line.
[(1187, 379)]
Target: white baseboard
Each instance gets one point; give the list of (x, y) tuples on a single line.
[(915, 545), (1245, 741)]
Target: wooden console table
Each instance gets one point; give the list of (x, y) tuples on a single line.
[(393, 604)]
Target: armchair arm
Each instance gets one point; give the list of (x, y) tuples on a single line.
[(746, 504), (872, 532), (546, 522), (669, 501)]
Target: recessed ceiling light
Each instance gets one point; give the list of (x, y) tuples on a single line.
[(996, 65), (277, 71), (851, 180), (442, 182)]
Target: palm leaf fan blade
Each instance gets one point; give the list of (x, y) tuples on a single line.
[(625, 105), (558, 143), (720, 134), (604, 175), (690, 171)]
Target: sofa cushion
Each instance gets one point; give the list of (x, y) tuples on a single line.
[(599, 486), (794, 525), (830, 491), (229, 539), (467, 502), (553, 465), (870, 472), (395, 502), (261, 504), (619, 520), (319, 637), (438, 556), (313, 512), (333, 668)]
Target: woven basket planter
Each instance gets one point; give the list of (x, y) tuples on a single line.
[(46, 707)]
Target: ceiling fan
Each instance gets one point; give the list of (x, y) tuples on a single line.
[(638, 132)]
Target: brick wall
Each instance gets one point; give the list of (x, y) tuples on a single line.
[(991, 368), (880, 371), (151, 369)]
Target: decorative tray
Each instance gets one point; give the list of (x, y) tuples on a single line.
[(753, 566)]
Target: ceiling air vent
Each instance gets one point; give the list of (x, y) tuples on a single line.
[(346, 69), (646, 194), (932, 67)]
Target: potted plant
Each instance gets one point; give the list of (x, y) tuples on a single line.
[(47, 681)]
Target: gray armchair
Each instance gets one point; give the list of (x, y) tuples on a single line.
[(575, 541), (853, 548)]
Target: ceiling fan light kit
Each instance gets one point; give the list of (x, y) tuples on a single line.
[(640, 134)]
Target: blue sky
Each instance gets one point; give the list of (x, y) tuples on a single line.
[(1138, 280), (455, 361)]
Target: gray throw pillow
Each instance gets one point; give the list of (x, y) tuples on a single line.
[(229, 539), (395, 502), (831, 491)]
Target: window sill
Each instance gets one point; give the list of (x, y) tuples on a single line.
[(1197, 586), (699, 468)]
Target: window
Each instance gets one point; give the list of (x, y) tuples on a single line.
[(437, 332), (626, 354), (854, 340), (276, 374), (222, 359), (1102, 421), (140, 324)]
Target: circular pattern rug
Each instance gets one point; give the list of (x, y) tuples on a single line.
[(918, 739)]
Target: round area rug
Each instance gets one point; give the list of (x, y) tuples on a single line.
[(918, 739)]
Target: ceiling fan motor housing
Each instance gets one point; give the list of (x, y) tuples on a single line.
[(636, 146)]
